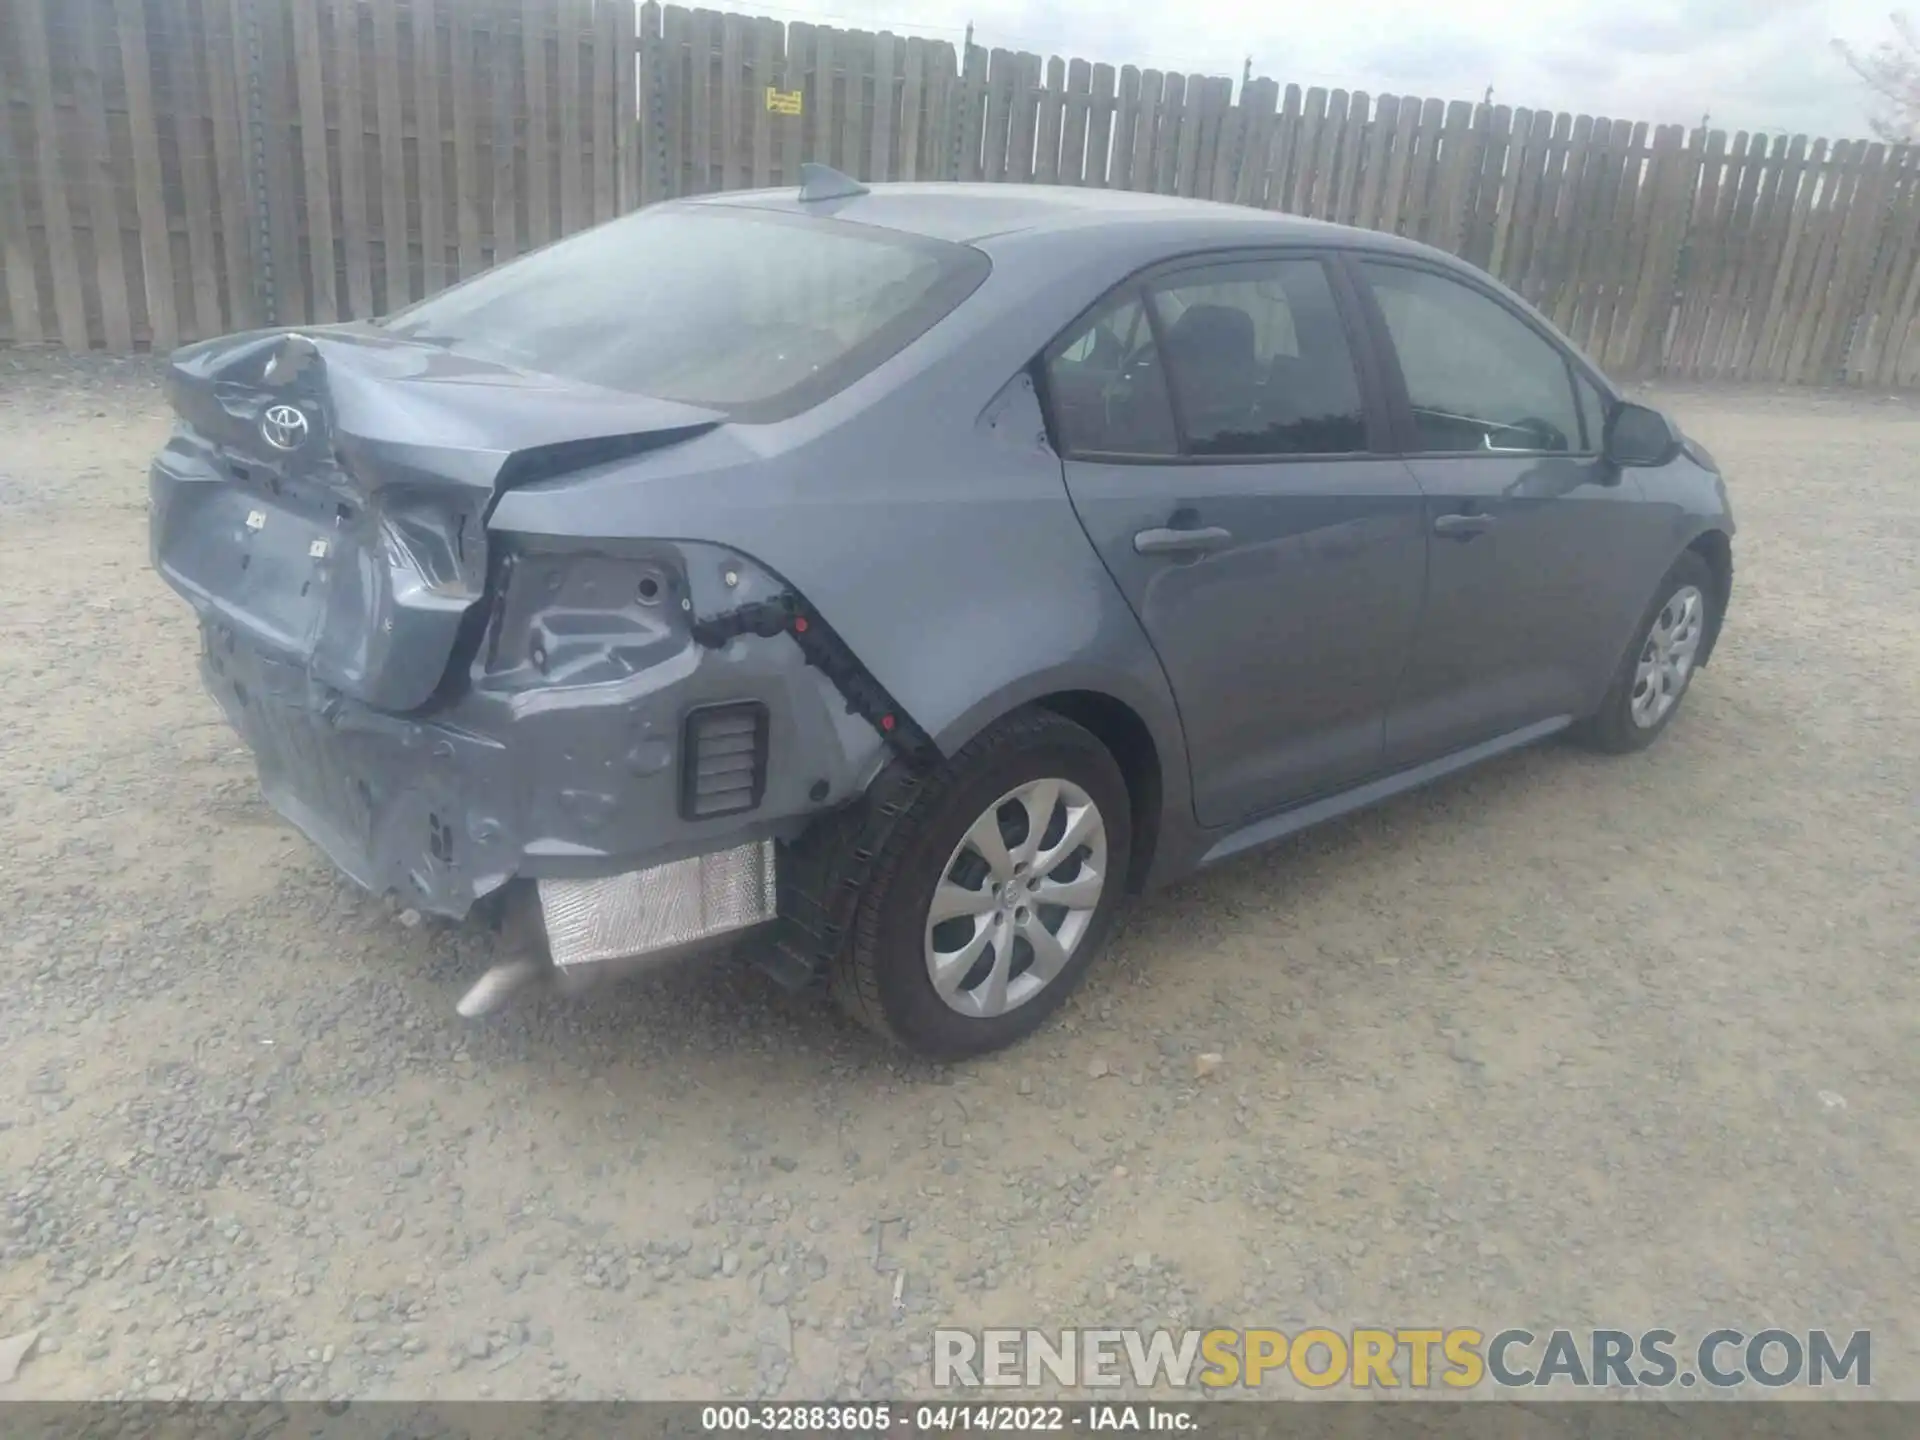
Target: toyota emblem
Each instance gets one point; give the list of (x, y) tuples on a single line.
[(284, 427)]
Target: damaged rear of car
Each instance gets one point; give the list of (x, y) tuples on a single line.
[(446, 700), (919, 569)]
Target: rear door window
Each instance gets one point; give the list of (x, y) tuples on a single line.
[(751, 312), (1259, 361)]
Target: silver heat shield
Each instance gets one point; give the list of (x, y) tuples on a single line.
[(664, 908)]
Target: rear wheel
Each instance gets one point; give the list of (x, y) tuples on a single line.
[(991, 892), (1656, 670)]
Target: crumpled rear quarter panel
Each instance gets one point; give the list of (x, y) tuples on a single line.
[(574, 772)]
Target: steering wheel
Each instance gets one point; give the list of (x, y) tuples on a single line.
[(1123, 385), (1549, 435)]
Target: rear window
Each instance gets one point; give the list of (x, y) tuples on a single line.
[(754, 313)]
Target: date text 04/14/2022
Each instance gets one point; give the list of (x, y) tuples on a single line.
[(966, 1418), (1097, 1419)]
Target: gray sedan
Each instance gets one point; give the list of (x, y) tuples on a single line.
[(910, 574)]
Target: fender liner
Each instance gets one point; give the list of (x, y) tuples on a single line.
[(1715, 546)]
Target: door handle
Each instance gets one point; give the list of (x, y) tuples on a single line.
[(1182, 542), (1462, 527)]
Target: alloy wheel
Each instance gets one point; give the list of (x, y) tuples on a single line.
[(1016, 897), (1666, 657)]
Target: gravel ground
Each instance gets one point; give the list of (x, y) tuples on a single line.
[(1568, 1041)]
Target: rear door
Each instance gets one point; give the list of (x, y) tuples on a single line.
[(1532, 571), (1226, 453)]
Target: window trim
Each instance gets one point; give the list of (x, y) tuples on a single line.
[(1158, 331), (1375, 397), (1038, 367), (1595, 444), (1400, 402)]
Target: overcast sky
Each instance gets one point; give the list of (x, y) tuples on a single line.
[(1750, 64)]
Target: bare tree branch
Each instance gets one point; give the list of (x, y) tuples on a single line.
[(1891, 70)]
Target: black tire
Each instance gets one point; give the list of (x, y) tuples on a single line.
[(877, 970), (1611, 728)]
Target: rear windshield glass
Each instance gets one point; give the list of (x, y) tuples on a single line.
[(755, 313)]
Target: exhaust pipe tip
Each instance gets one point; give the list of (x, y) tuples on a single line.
[(513, 913), (493, 989)]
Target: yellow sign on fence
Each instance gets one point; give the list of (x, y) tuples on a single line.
[(783, 102)]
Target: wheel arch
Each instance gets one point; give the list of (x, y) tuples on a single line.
[(1136, 722), (1716, 548), (825, 870), (1118, 727)]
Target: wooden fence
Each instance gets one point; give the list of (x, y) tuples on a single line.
[(171, 169)]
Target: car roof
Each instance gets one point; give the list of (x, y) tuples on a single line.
[(974, 213)]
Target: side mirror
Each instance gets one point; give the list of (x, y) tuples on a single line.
[(1639, 436)]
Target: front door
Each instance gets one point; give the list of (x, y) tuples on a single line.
[(1531, 573), (1220, 453)]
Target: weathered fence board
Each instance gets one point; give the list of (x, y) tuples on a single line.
[(1020, 117), (22, 317), (313, 155), (623, 34), (1742, 184), (96, 158), (70, 312), (1131, 166), (1870, 357), (173, 168), (497, 73), (429, 146), (391, 149), (1100, 125), (190, 104), (351, 121), (463, 65)]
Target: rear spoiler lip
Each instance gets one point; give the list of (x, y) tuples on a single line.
[(565, 457)]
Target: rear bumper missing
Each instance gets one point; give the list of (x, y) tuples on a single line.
[(664, 909), (401, 807), (579, 931), (581, 784)]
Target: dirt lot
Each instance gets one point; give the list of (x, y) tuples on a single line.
[(1568, 1041)]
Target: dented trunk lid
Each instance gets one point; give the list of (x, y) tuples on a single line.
[(325, 492)]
